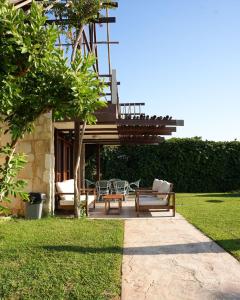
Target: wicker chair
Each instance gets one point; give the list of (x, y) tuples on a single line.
[(133, 186), (121, 187), (103, 187), (89, 184)]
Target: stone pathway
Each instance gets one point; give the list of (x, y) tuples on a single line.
[(169, 259)]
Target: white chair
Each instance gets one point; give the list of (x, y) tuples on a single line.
[(159, 197), (65, 196)]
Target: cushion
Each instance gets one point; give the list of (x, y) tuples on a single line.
[(69, 201), (164, 188), (66, 186), (151, 200), (156, 184)]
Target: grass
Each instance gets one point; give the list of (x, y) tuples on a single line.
[(217, 215), (57, 258)]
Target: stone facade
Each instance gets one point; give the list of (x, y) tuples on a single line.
[(39, 171)]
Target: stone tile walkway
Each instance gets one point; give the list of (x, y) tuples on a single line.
[(169, 259)]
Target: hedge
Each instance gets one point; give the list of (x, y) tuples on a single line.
[(192, 165)]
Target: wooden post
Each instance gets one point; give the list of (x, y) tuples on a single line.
[(98, 175)]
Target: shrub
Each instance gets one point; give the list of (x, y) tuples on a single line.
[(192, 165)]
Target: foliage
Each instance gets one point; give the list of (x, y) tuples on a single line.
[(36, 78), (56, 258), (216, 215), (78, 12), (191, 164), (9, 185), (27, 55), (82, 99)]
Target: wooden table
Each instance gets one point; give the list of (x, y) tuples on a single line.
[(110, 197)]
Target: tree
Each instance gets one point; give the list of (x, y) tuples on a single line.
[(78, 13), (36, 78)]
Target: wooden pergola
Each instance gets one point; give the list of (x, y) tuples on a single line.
[(120, 123)]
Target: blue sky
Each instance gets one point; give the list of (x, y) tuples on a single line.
[(182, 58)]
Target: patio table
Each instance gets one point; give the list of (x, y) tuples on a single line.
[(111, 197)]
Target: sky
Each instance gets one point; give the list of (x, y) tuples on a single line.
[(182, 58)]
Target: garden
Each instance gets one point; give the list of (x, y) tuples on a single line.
[(81, 258), (64, 258)]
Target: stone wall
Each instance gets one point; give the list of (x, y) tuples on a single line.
[(39, 171)]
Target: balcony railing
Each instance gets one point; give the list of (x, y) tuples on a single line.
[(131, 110)]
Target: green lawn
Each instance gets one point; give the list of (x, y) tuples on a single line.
[(215, 214), (57, 258)]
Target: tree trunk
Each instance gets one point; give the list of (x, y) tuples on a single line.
[(78, 146), (77, 42), (77, 179)]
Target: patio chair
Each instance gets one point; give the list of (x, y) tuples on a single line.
[(65, 196), (133, 186), (103, 187), (89, 183), (159, 197), (112, 185), (121, 187)]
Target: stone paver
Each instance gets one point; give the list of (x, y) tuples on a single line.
[(167, 258)]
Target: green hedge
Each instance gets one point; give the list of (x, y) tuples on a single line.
[(192, 165)]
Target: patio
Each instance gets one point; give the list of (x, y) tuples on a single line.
[(127, 212)]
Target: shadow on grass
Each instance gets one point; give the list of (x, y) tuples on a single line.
[(187, 248), (215, 201), (230, 195), (230, 245), (83, 250)]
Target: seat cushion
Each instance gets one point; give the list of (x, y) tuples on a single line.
[(70, 202), (151, 200)]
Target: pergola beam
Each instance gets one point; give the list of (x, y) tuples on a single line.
[(149, 122), (101, 20)]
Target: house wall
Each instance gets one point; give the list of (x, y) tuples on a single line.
[(39, 171)]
